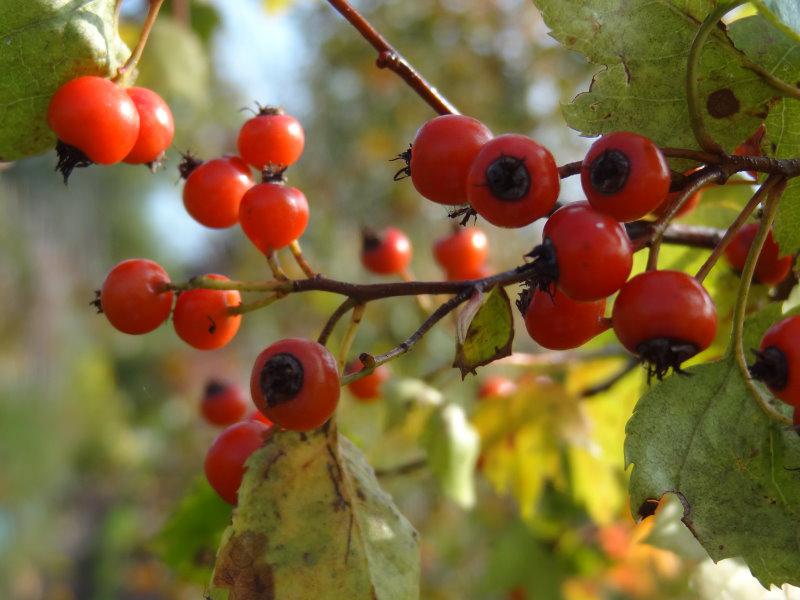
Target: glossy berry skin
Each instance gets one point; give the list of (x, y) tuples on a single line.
[(368, 388), (275, 140), (387, 252), (273, 215), (664, 305), (223, 403), (156, 126), (625, 176), (496, 386), (559, 323), (462, 254), (225, 459), (784, 337), (131, 296), (513, 181), (441, 156), (214, 190), (96, 116), (295, 384), (771, 268), (593, 254), (201, 317)]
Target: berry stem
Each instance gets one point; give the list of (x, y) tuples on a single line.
[(326, 332), (389, 58), (737, 224), (350, 334), (740, 309), (570, 169), (297, 252), (246, 307), (275, 266), (152, 13)]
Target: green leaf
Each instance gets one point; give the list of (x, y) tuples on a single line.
[(485, 332), (782, 14), (452, 446), (643, 47), (312, 522), (43, 44), (189, 539), (704, 438)]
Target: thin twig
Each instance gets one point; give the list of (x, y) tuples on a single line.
[(403, 469), (614, 379), (275, 266), (350, 334), (150, 20), (297, 252), (326, 332)]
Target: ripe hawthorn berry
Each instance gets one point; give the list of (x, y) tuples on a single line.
[(156, 127), (95, 120), (214, 189), (441, 155), (625, 175), (201, 317), (225, 459), (273, 215), (557, 322), (133, 297), (665, 317), (496, 386), (387, 252), (586, 252), (295, 383), (462, 254), (513, 181), (778, 360), (368, 388), (771, 267), (223, 403), (271, 139)]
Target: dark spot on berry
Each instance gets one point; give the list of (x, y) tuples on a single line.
[(70, 158), (662, 354), (508, 178), (770, 367), (189, 162), (405, 171), (268, 110), (273, 173), (545, 272), (281, 378), (370, 240), (722, 103), (214, 387), (212, 326), (96, 302), (609, 171)]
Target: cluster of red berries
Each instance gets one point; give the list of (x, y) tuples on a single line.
[(97, 121)]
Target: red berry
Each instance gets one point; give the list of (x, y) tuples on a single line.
[(441, 155), (133, 296), (513, 181), (771, 267), (591, 251), (367, 388), (463, 253), (271, 140), (387, 252), (625, 175), (665, 317), (778, 362), (201, 316), (257, 416), (558, 323), (684, 210), (223, 403), (273, 215), (496, 386), (96, 116), (225, 459), (156, 127), (295, 383), (214, 190)]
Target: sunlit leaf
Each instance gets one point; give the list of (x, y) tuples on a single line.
[(487, 333)]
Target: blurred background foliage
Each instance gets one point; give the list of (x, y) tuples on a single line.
[(100, 435)]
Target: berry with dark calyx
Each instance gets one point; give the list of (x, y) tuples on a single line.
[(771, 267), (273, 215), (225, 459), (368, 388), (387, 252), (202, 318), (462, 254), (295, 383), (589, 252), (513, 181), (214, 189), (496, 386), (441, 156), (271, 139), (624, 175), (134, 297), (156, 127), (223, 403), (557, 322), (778, 360), (665, 317)]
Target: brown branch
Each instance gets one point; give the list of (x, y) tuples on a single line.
[(614, 379), (326, 332), (152, 13), (389, 58)]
